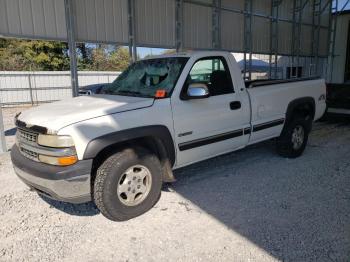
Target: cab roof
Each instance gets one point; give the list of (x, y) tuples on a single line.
[(189, 54)]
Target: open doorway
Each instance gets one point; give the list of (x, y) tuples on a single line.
[(347, 61)]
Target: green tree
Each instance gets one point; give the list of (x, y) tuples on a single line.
[(119, 59), (33, 55), (100, 58), (30, 55), (84, 56)]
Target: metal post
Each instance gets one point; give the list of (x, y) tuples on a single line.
[(329, 37), (313, 38), (334, 32), (274, 36), (271, 37), (277, 39), (178, 25), (30, 89), (68, 4), (300, 15), (248, 43), (132, 30), (3, 147), (216, 24), (318, 35), (293, 36)]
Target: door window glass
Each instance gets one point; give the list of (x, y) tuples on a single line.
[(214, 73)]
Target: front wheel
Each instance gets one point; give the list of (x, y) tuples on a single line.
[(293, 139), (127, 184)]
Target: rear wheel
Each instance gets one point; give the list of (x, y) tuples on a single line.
[(294, 137), (127, 184)]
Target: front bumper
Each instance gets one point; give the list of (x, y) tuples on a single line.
[(69, 184)]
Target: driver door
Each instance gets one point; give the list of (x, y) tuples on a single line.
[(210, 126)]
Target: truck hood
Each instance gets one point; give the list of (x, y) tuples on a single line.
[(57, 115)]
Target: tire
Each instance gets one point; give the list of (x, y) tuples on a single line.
[(115, 184), (290, 147)]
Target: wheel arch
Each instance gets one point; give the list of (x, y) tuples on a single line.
[(304, 106), (156, 139)]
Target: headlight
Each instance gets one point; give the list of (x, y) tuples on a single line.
[(58, 161), (55, 141)]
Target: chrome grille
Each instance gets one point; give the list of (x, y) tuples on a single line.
[(29, 154), (26, 137)]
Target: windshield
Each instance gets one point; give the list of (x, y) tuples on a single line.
[(148, 78)]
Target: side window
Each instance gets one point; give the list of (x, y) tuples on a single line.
[(214, 73)]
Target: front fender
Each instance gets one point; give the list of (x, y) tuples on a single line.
[(156, 131)]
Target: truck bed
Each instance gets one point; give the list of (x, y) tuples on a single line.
[(264, 82)]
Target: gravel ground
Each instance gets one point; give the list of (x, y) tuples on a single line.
[(250, 205)]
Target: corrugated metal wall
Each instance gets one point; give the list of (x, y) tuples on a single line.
[(232, 39), (103, 21), (155, 22), (106, 21), (197, 26), (33, 18)]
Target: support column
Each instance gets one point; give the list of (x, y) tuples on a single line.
[(301, 6), (179, 25), (216, 24), (248, 43), (132, 30), (3, 148), (294, 35), (274, 37), (318, 8), (332, 37), (68, 4)]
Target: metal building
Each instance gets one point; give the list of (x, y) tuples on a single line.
[(293, 28), (341, 59)]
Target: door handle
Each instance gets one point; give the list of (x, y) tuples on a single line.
[(235, 105)]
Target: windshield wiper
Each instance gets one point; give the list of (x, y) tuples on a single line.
[(131, 93)]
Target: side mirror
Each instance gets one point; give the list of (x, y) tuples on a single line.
[(197, 91)]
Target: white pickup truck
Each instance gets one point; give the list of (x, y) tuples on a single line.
[(118, 147)]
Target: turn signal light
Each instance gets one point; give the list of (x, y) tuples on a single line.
[(67, 160), (58, 161)]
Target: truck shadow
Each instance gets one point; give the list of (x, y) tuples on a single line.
[(86, 209), (294, 209)]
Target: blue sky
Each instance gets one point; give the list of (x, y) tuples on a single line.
[(341, 3)]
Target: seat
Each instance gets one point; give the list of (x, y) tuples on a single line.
[(220, 83)]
